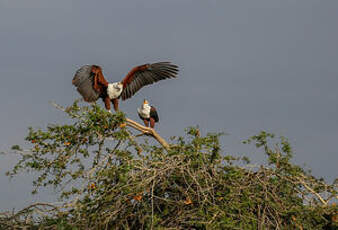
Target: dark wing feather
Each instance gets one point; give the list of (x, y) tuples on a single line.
[(153, 114), (145, 75), (84, 80)]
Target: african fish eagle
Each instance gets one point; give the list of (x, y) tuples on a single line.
[(92, 85), (148, 113)]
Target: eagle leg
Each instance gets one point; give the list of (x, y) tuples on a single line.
[(116, 104), (107, 103)]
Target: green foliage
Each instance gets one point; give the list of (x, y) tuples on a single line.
[(110, 179)]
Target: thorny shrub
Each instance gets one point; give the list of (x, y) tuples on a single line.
[(111, 178)]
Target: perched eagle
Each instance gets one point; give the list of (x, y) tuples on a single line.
[(92, 85), (148, 114)]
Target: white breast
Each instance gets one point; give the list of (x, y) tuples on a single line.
[(114, 90), (144, 111)]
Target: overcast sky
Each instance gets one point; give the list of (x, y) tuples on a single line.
[(245, 66)]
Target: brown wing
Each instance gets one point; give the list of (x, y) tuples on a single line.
[(145, 75), (89, 82)]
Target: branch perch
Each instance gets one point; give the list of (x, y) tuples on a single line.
[(147, 130)]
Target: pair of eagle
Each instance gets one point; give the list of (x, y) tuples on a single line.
[(92, 85)]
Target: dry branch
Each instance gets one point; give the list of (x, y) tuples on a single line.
[(147, 130), (312, 191)]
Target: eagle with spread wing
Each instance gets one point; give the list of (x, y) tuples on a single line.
[(92, 85)]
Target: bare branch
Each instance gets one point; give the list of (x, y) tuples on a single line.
[(148, 130), (312, 191)]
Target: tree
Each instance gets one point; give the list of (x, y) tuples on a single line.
[(112, 178)]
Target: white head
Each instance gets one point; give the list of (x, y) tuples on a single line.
[(145, 104), (114, 90), (118, 85), (144, 111)]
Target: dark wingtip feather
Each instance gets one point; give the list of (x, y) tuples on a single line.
[(165, 68), (151, 74)]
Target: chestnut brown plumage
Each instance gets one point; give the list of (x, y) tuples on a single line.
[(92, 85)]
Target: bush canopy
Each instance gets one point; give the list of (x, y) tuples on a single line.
[(112, 176)]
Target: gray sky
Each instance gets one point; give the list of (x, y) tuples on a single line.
[(246, 66)]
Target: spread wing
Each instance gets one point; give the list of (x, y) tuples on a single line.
[(89, 82), (145, 75)]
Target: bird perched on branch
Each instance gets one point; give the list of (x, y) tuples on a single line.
[(148, 114), (92, 85)]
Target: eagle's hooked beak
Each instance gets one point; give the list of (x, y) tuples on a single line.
[(145, 102)]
